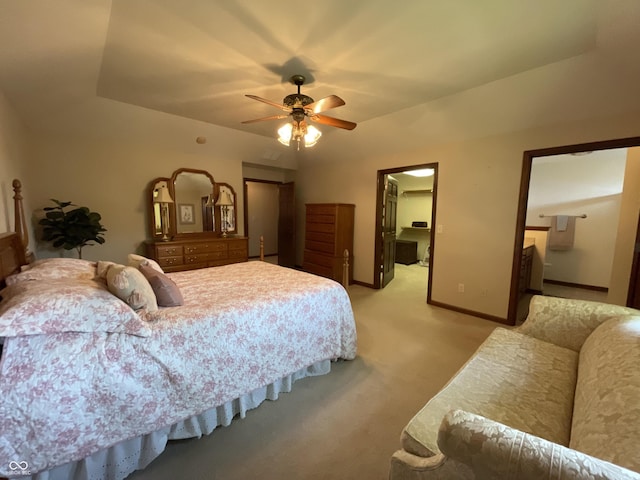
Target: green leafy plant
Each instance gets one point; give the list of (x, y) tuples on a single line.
[(71, 229)]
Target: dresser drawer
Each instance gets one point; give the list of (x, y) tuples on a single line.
[(321, 219), (169, 250), (238, 245), (169, 261), (205, 247), (319, 209), (321, 227), (320, 247), (204, 257), (318, 270), (320, 237), (239, 253), (318, 259)]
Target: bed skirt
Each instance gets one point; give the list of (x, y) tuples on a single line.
[(119, 461)]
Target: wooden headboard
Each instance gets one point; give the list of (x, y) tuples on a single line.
[(14, 245), (12, 255)]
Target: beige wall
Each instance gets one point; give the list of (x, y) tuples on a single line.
[(478, 189), (627, 228), (13, 163), (111, 178)]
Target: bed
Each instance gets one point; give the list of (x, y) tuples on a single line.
[(91, 388)]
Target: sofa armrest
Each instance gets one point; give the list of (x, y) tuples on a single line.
[(495, 451), (567, 322)]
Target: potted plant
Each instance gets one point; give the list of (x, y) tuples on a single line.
[(71, 229)]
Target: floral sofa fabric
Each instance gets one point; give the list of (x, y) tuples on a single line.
[(557, 398)]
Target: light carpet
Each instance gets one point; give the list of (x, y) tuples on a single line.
[(347, 424)]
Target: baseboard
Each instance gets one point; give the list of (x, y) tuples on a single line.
[(576, 285), (473, 313), (362, 284)]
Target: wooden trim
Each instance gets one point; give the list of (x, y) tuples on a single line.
[(364, 284), (469, 312), (576, 285), (525, 179), (539, 229)]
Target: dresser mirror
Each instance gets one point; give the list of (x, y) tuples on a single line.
[(190, 204)]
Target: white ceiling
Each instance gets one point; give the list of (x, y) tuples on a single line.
[(431, 69)]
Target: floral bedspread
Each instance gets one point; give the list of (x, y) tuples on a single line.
[(65, 396)]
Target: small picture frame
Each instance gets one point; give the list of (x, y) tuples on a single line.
[(186, 214)]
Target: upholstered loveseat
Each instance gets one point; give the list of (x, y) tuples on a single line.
[(556, 398)]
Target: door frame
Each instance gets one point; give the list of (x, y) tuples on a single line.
[(525, 180), (378, 261)]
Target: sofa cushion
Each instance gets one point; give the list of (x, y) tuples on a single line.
[(606, 416), (513, 379)]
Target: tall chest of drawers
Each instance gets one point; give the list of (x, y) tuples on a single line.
[(328, 233), (174, 256)]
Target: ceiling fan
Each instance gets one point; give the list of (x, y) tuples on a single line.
[(300, 107)]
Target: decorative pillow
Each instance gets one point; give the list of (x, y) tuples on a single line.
[(129, 285), (167, 292), (137, 260), (53, 269), (102, 267), (63, 305)]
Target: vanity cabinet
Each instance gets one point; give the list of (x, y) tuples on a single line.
[(174, 256), (328, 233)]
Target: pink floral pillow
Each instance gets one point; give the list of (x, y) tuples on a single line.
[(56, 306), (54, 269)]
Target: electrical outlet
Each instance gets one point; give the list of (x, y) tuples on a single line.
[(439, 229), (484, 292), (461, 288)]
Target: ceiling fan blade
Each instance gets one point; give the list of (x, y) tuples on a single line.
[(272, 117), (333, 122), (269, 102), (332, 101)]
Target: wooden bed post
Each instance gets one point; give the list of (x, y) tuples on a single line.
[(20, 221), (345, 270), (261, 248)]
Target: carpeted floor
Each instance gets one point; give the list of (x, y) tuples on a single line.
[(344, 425)]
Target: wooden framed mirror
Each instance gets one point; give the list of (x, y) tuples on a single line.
[(183, 206)]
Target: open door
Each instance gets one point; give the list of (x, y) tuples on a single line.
[(286, 225), (389, 228)]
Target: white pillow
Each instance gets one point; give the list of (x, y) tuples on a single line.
[(137, 260), (54, 269)]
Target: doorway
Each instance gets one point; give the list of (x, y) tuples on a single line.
[(270, 214), (529, 157), (405, 213)]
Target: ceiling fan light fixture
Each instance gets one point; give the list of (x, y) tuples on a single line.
[(297, 132), (312, 136), (284, 134)]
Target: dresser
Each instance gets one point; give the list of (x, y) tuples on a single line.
[(328, 232), (177, 255)]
